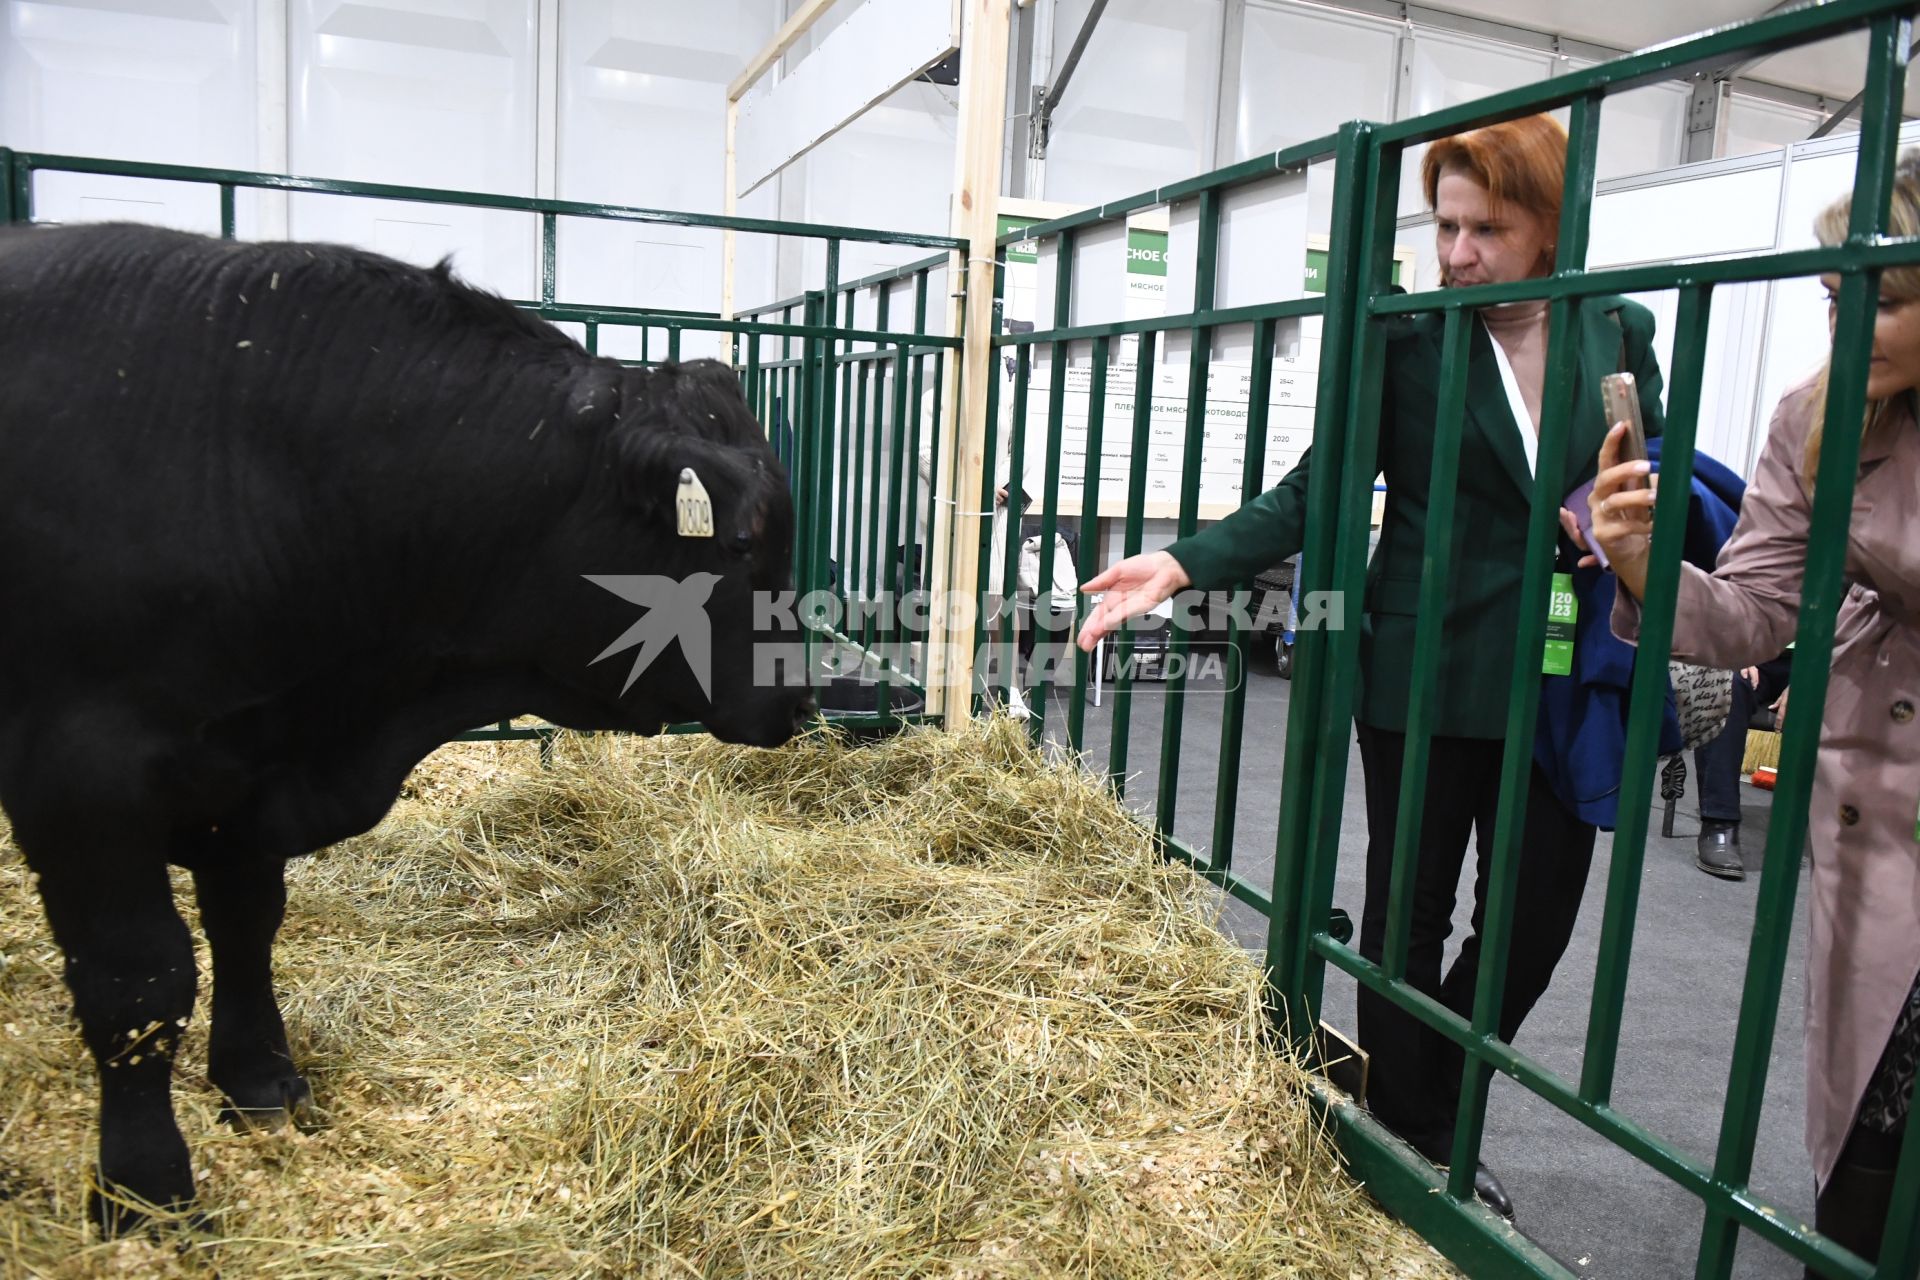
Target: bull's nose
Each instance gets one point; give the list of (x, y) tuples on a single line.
[(804, 711)]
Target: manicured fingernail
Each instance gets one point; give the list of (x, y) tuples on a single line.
[(1642, 468)]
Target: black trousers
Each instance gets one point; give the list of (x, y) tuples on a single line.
[(1717, 764), (1414, 1076)]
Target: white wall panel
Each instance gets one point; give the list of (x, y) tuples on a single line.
[(1798, 341), (1305, 72), (893, 169), (1662, 223), (1140, 109), (642, 121), (1754, 125), (1448, 71), (878, 47), (1642, 130), (429, 93), (159, 80)]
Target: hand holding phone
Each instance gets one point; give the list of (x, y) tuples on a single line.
[(1621, 398)]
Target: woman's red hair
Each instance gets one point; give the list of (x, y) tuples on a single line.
[(1522, 162)]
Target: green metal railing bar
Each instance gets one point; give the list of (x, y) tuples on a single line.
[(1208, 869), (1856, 256), (1646, 698), (1343, 502), (1226, 787), (1288, 958), (1091, 483), (1050, 493), (829, 300), (1235, 175), (1199, 370), (1543, 534), (1015, 504), (1122, 721), (28, 162), (1436, 581), (895, 586), (1481, 1244), (1210, 318), (890, 276)]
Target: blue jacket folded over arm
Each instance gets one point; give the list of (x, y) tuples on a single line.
[(1581, 741)]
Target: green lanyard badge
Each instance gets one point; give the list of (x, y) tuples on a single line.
[(1562, 612)]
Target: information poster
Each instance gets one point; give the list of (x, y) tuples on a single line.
[(1290, 400)]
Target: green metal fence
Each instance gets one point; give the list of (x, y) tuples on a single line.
[(1305, 934), (789, 356), (868, 472)]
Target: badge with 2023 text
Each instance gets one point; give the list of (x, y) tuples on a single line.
[(1563, 611)]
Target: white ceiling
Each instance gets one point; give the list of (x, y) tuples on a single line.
[(1835, 68)]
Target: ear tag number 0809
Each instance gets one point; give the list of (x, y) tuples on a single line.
[(693, 507)]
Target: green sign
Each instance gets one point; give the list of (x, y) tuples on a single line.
[(1317, 271), (1021, 250), (1146, 252)]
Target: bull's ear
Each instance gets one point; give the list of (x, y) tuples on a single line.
[(659, 471)]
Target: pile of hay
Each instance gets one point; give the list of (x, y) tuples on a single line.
[(673, 1008)]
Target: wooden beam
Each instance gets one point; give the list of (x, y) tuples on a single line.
[(728, 245), (798, 25), (970, 275)]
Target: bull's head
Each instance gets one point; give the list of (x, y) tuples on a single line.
[(692, 630)]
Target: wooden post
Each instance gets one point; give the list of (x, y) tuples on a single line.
[(730, 206), (976, 207)]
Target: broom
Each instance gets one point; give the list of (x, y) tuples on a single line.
[(1763, 751)]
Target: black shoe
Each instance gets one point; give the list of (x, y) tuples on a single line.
[(1717, 852), (1852, 1210), (1488, 1188)]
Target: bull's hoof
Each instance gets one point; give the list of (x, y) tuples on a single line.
[(117, 1212), (266, 1105)]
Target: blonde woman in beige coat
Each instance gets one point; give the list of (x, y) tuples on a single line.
[(1863, 1002)]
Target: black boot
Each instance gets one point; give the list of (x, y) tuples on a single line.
[(1717, 852), (1488, 1188), (1852, 1209)]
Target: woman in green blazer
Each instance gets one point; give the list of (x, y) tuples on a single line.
[(1495, 194)]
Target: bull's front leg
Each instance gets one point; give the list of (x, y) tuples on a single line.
[(242, 901), (129, 964)]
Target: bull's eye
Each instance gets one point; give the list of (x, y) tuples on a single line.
[(743, 542)]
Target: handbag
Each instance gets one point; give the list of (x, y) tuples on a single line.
[(1702, 699)]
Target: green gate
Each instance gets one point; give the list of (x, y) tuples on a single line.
[(844, 448), (1305, 933)]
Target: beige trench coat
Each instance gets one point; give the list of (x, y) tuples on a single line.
[(1865, 907)]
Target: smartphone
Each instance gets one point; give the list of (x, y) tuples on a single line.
[(1621, 397)]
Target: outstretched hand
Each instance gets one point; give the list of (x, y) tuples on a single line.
[(1129, 589)]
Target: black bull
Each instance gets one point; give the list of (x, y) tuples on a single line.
[(275, 521)]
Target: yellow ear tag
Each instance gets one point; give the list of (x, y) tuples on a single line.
[(694, 506)]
